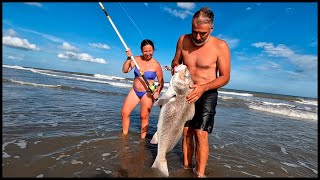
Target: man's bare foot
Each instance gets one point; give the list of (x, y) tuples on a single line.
[(198, 175)]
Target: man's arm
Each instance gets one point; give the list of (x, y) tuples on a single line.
[(178, 55), (223, 66)]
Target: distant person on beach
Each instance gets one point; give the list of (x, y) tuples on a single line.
[(140, 92), (205, 56)]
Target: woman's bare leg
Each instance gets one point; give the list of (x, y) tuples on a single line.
[(129, 104), (146, 105)]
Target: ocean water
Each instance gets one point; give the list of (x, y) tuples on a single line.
[(67, 124)]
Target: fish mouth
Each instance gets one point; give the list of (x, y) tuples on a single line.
[(182, 74), (184, 77)]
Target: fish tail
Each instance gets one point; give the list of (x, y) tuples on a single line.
[(162, 165), (154, 139)]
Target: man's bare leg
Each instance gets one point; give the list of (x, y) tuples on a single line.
[(202, 151), (187, 147)]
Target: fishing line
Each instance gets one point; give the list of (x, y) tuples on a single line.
[(167, 68), (151, 87), (133, 22)]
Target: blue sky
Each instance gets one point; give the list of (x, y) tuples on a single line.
[(273, 45)]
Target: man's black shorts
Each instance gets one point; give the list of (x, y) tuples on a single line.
[(205, 108)]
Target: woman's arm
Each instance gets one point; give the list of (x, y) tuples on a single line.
[(128, 64)]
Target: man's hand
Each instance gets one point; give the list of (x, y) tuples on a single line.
[(195, 94), (174, 64), (172, 70)]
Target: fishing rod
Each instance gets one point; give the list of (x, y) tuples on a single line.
[(152, 87), (166, 68)]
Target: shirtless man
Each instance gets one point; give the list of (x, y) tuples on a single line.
[(208, 60)]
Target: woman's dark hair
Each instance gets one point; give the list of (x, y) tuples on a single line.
[(146, 42)]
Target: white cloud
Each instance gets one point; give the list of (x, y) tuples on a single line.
[(232, 42), (46, 36), (68, 47), (81, 57), (182, 14), (288, 9), (306, 62), (269, 66), (10, 32), (248, 8), (14, 57), (16, 42), (146, 4), (303, 62), (99, 45), (278, 51), (34, 4), (186, 5)]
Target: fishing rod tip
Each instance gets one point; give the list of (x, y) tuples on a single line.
[(101, 5)]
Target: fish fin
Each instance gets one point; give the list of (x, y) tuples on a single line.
[(154, 139), (159, 102), (165, 97), (190, 112), (162, 166), (170, 91)]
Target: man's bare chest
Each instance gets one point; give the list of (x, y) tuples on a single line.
[(201, 59)]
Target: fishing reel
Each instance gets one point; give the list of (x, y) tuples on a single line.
[(153, 87)]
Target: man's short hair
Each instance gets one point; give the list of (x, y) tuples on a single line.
[(205, 13)]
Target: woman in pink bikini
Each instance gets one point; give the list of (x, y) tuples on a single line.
[(140, 91)]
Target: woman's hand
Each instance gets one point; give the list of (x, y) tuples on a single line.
[(128, 53), (155, 95)]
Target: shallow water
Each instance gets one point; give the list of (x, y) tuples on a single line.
[(74, 130)]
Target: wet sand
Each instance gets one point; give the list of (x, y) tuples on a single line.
[(112, 155)]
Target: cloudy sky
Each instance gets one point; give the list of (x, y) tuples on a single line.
[(273, 45)]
